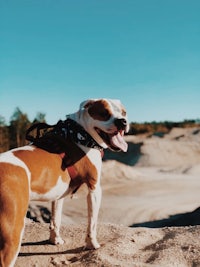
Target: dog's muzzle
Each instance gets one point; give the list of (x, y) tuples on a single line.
[(120, 124), (115, 140)]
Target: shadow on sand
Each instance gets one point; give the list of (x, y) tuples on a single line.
[(182, 219), (131, 157)]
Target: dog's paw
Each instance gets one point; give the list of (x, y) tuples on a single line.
[(56, 240), (91, 243)]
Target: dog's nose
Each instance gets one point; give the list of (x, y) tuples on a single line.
[(120, 123)]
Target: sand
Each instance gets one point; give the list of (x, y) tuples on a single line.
[(120, 246)]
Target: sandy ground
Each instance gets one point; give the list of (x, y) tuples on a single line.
[(160, 191), (120, 246)]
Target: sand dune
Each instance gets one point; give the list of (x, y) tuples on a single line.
[(179, 148), (155, 184)]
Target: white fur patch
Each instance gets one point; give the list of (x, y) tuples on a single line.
[(55, 193), (28, 148)]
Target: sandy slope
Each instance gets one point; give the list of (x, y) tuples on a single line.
[(121, 246), (161, 189)]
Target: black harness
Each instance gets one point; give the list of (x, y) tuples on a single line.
[(53, 137)]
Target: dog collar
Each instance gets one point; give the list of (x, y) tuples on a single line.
[(74, 131)]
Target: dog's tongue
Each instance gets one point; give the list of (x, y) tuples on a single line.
[(118, 141)]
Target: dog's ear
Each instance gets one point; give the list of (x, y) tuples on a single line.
[(87, 103)]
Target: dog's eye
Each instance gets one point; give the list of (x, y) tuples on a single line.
[(123, 113), (104, 114)]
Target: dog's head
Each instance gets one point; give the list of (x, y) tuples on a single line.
[(106, 121)]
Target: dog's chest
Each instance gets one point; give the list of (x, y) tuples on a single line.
[(85, 167)]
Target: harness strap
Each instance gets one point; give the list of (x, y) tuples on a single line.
[(72, 172), (71, 169)]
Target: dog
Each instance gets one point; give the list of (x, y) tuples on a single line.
[(34, 173)]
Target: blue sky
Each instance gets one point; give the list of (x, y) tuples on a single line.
[(55, 54)]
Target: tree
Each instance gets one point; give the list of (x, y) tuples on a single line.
[(4, 135), (2, 121), (40, 117), (18, 125)]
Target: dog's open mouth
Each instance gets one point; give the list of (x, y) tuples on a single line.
[(115, 141)]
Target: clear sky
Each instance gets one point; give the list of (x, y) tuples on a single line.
[(56, 53)]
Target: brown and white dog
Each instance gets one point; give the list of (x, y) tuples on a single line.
[(31, 173)]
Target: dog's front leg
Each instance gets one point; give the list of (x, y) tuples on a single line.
[(56, 222), (94, 201)]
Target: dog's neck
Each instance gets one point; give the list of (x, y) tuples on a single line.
[(81, 117), (79, 135), (76, 132)]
